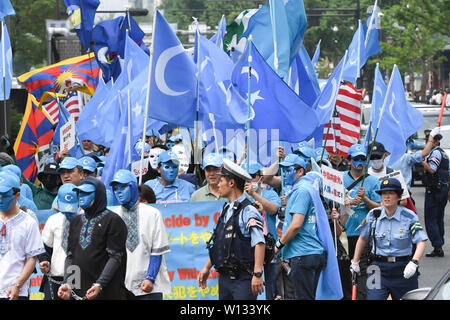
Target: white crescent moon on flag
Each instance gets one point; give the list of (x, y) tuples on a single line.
[(160, 68), (326, 105), (391, 107), (245, 70)]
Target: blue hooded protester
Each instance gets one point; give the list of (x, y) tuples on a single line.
[(96, 245), (146, 277)]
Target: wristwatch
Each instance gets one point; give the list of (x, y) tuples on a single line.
[(279, 244), (257, 274), (415, 261)]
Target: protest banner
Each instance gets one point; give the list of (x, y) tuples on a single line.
[(333, 184)]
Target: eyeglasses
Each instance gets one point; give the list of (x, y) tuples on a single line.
[(359, 158)]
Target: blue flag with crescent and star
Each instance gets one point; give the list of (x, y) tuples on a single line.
[(399, 119), (274, 104)]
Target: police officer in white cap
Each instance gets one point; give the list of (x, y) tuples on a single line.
[(237, 246)]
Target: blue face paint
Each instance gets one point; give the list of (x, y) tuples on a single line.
[(289, 175), (85, 199), (358, 163), (122, 193), (169, 171), (6, 200)]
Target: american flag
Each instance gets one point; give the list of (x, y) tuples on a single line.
[(346, 120), (72, 102)]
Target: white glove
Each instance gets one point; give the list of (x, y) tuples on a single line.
[(435, 131), (354, 267), (410, 270)]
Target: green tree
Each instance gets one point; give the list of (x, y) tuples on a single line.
[(28, 34), (413, 37)]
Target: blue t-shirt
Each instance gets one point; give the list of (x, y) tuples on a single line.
[(371, 184), (306, 241), (179, 190)]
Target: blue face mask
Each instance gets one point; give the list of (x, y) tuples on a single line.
[(289, 175), (6, 200), (122, 193), (85, 199), (169, 170)]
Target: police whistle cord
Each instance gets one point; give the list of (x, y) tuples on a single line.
[(52, 280)]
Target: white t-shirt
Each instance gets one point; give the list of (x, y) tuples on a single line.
[(52, 236), (21, 241), (152, 241), (380, 174)]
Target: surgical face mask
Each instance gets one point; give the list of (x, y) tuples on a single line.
[(122, 193), (85, 199), (6, 200), (289, 175), (153, 157), (169, 170), (377, 164), (256, 185)]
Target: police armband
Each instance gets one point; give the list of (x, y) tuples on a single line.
[(252, 222)]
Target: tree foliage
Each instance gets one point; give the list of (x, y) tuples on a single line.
[(28, 34)]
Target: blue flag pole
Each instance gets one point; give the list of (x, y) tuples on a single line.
[(4, 76), (379, 122), (147, 99), (249, 98), (374, 10)]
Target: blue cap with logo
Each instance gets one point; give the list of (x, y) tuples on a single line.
[(123, 176), (8, 181), (68, 163), (293, 159), (305, 150), (318, 152), (67, 198), (88, 164), (167, 156), (213, 159), (357, 150)]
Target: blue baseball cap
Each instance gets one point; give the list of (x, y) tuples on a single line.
[(8, 181), (88, 163), (167, 156), (357, 150), (253, 167), (293, 159), (68, 163), (14, 169), (123, 176), (318, 152), (85, 187), (138, 148), (67, 198), (305, 150), (213, 159)]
